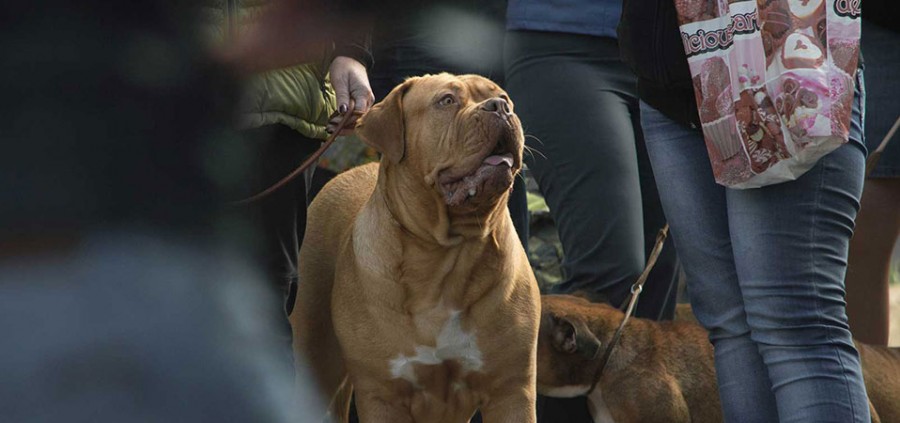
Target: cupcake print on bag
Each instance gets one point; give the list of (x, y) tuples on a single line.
[(773, 81)]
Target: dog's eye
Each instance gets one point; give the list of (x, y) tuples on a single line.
[(447, 100)]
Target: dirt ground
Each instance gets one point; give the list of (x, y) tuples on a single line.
[(895, 316)]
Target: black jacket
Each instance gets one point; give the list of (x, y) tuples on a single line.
[(650, 42), (883, 12)]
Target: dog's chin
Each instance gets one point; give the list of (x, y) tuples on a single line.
[(482, 187)]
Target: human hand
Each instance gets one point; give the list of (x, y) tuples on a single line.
[(350, 81)]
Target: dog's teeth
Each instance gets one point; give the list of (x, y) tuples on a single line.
[(471, 192)]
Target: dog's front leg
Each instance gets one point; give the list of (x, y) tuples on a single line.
[(516, 406)]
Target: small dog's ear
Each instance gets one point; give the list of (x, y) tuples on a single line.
[(563, 335), (573, 336), (382, 127)]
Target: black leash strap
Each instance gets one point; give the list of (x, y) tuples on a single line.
[(872, 161)]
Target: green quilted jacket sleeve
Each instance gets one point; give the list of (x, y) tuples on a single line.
[(299, 97)]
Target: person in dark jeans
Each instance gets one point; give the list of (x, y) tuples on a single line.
[(579, 107)]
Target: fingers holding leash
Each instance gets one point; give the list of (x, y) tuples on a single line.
[(352, 89), (335, 121)]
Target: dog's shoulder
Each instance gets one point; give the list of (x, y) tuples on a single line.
[(347, 191), (350, 182), (333, 210)]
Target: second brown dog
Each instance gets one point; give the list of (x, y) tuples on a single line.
[(659, 371)]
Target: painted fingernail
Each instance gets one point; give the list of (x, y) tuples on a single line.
[(342, 109)]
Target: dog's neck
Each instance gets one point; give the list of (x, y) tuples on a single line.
[(629, 347), (414, 254), (444, 229)]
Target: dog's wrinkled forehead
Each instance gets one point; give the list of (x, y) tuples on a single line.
[(426, 109), (468, 89), (481, 88)]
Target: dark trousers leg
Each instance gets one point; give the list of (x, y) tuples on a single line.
[(578, 101), (281, 217), (518, 209)]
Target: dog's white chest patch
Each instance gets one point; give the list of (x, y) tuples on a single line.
[(597, 406), (451, 344)]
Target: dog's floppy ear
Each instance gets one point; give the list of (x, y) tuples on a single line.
[(573, 336), (382, 127)]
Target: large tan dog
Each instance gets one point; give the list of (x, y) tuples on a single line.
[(413, 284), (659, 372)]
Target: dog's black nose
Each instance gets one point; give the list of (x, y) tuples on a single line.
[(496, 105)]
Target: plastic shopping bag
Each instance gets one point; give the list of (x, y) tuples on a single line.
[(774, 82)]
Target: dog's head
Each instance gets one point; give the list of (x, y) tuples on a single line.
[(457, 135), (568, 349)]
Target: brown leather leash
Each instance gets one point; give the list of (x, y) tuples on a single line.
[(636, 290), (311, 160)]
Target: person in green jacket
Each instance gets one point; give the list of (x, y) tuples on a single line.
[(283, 114)]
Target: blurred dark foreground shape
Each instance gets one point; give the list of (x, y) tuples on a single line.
[(127, 292), (133, 327)]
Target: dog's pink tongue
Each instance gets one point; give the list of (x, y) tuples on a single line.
[(496, 160)]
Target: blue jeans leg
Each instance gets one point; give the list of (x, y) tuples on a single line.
[(696, 208), (791, 245), (765, 271), (791, 242)]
